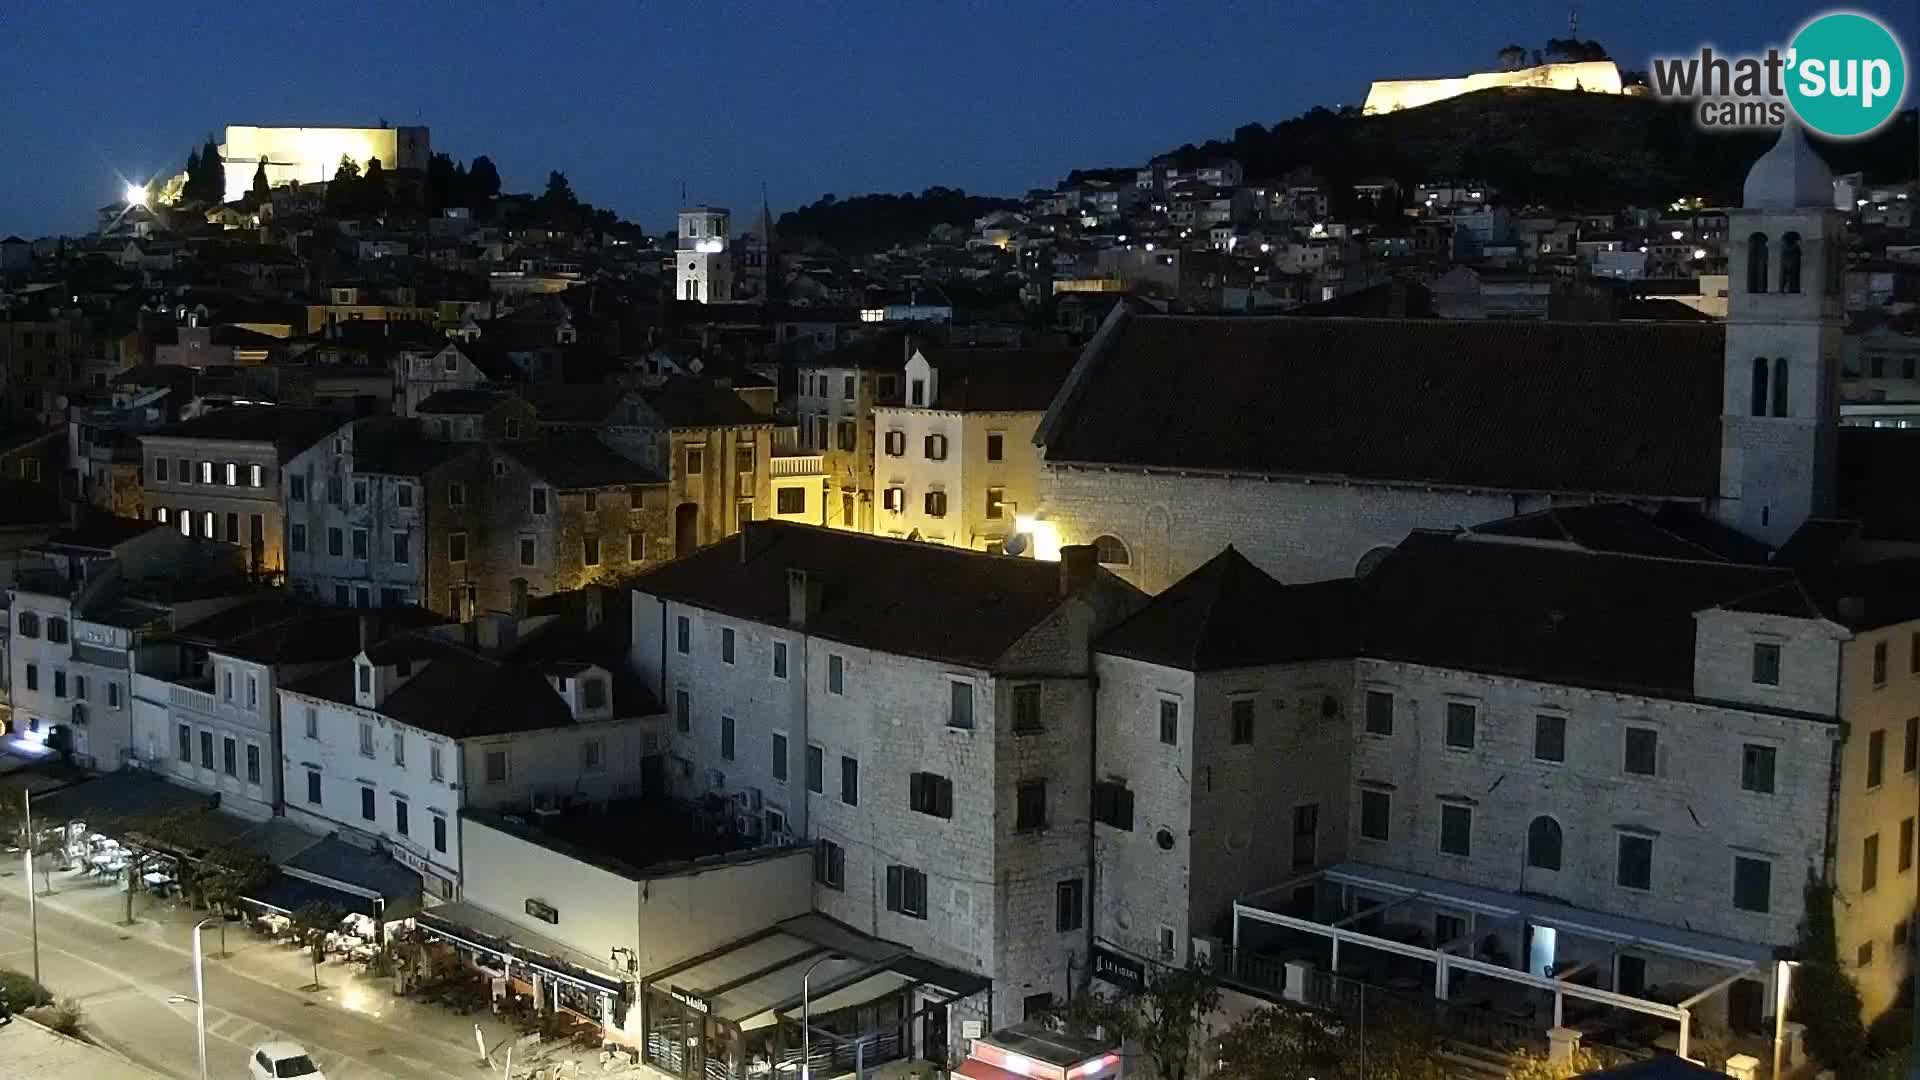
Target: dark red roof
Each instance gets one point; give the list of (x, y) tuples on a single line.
[(1230, 614), (1624, 408)]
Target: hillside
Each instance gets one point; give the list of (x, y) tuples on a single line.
[(869, 223), (1565, 149)]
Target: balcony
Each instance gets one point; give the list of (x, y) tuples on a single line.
[(798, 465), (186, 697)]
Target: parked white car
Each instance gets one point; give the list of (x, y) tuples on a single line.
[(280, 1060)]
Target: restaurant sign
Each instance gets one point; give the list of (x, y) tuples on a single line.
[(1119, 970), (690, 999), (543, 911)]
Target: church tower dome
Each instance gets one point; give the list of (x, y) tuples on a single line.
[(1788, 176)]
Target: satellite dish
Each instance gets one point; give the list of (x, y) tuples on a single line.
[(1017, 544)]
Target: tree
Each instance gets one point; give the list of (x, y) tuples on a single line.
[(374, 197), (343, 192), (558, 204), (262, 191), (483, 180), (1282, 1043), (312, 922), (225, 876), (1163, 1020), (213, 183), (1824, 997), (190, 192), (446, 183), (1512, 58)]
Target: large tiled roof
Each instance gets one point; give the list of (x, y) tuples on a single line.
[(456, 693), (1230, 614), (571, 403), (577, 461), (298, 634), (999, 380), (897, 596), (288, 428), (468, 401), (687, 401), (1592, 407)]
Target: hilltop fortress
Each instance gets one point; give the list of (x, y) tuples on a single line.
[(1594, 76)]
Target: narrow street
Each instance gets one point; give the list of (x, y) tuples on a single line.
[(135, 995)]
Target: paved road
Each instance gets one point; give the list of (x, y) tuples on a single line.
[(135, 997)]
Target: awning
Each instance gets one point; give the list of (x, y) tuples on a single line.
[(462, 923), (975, 1069), (285, 895)]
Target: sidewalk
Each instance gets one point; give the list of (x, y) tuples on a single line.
[(168, 924)]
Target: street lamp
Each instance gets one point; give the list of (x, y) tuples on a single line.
[(200, 995), (806, 1016), (1783, 978)]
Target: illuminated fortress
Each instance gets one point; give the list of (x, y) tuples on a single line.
[(311, 155), (1594, 76)]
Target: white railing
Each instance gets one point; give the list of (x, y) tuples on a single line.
[(799, 465), (186, 697)]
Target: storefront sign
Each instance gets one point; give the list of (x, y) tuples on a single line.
[(543, 911), (416, 863), (690, 999), (1122, 971)]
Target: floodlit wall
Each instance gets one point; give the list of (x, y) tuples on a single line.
[(310, 155), (1389, 95)]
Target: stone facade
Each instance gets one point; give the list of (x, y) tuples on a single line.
[(230, 491), (835, 413)]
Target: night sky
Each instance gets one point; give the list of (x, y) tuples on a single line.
[(630, 100)]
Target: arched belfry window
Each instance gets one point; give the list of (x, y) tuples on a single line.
[(1543, 843), (1790, 263), (1780, 386), (1757, 263), (1758, 402)]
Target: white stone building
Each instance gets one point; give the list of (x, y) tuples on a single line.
[(955, 464), (702, 264), (922, 715)]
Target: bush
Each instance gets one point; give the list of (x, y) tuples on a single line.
[(22, 992), (62, 1016)]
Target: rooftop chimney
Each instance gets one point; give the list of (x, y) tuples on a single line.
[(1077, 568), (803, 598)]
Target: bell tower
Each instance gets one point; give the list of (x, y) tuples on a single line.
[(1780, 408)]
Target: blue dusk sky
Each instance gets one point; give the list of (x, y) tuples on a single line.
[(633, 99)]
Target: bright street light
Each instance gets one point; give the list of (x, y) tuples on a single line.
[(200, 995), (806, 1016), (136, 195)]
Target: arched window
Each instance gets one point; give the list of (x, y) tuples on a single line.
[(1790, 263), (1759, 398), (1757, 263), (1543, 844), (1109, 551), (1780, 386)]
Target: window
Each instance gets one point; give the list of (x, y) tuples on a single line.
[(590, 551), (960, 705), (1240, 721), (849, 780), (496, 766), (907, 891), (1026, 709), (296, 536), (1905, 857), (206, 749), (936, 447), (779, 659), (930, 793), (636, 547), (401, 553), (336, 542), (1879, 663), (1069, 905), (230, 756), (1376, 811), (1913, 653), (33, 676), (359, 492), (1870, 863), (57, 630), (457, 547), (1543, 843), (206, 472), (186, 743), (400, 815), (60, 690), (1549, 737), (185, 471), (1756, 768), (791, 500), (829, 864), (1110, 551), (1379, 712), (1456, 829), (1752, 884), (1757, 263), (996, 498), (917, 392), (696, 460), (403, 495), (593, 501), (400, 748), (1757, 396), (296, 489), (1169, 722), (113, 695), (1113, 804), (1766, 663), (1876, 757), (996, 446), (313, 722), (1030, 806), (360, 544), (160, 469), (1863, 956), (1461, 718), (1306, 835), (682, 711), (846, 387), (1910, 753), (816, 769), (779, 757), (1790, 263), (593, 755), (440, 834), (936, 503), (1642, 751), (836, 674), (366, 729), (456, 494), (29, 625), (253, 764), (845, 433), (1634, 869), (313, 786), (366, 803), (895, 443), (435, 770), (726, 738)]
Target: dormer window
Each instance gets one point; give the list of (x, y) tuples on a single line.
[(593, 694), (366, 677)]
